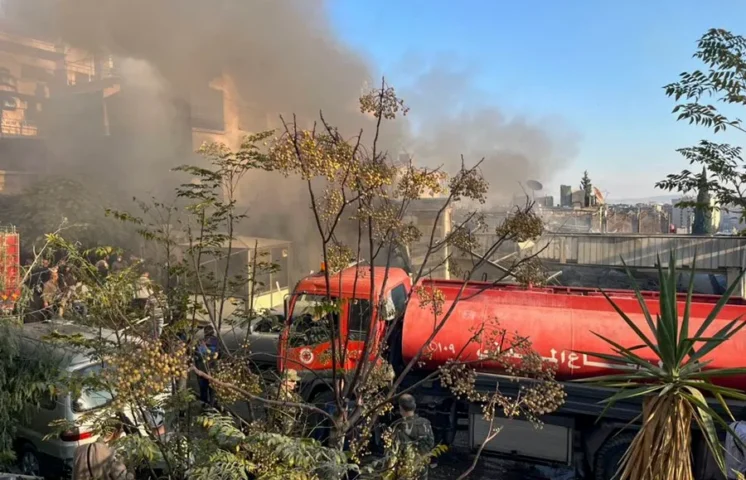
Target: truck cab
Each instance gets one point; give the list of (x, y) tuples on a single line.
[(306, 342)]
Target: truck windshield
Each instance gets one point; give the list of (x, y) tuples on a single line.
[(307, 326)]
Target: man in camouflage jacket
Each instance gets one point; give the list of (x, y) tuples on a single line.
[(414, 430), (284, 418)]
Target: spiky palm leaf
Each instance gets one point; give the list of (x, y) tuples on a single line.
[(673, 387)]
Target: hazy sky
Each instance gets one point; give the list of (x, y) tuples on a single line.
[(598, 65)]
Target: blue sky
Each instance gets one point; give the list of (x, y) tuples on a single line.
[(599, 65)]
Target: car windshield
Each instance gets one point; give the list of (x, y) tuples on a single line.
[(91, 397), (269, 324), (308, 326)]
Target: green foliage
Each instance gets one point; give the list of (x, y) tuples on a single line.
[(24, 383), (587, 187), (723, 80), (193, 241), (263, 455), (671, 379), (402, 462)]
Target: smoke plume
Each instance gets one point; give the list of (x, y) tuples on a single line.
[(463, 121), (282, 58)]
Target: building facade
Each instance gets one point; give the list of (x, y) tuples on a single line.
[(59, 104), (682, 218)]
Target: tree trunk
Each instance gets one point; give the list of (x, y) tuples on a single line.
[(661, 449)]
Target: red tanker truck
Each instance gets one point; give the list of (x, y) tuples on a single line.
[(559, 322)]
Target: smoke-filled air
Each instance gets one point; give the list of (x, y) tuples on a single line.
[(463, 121), (283, 58)]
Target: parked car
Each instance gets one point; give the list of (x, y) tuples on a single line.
[(42, 452), (263, 337)]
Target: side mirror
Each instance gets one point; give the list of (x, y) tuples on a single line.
[(286, 306)]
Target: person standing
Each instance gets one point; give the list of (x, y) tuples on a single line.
[(413, 430), (97, 461), (38, 275), (207, 352), (146, 303), (284, 418), (102, 266), (735, 450), (118, 265), (50, 294)]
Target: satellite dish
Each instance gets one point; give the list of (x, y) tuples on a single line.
[(534, 185)]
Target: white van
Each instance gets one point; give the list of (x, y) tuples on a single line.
[(53, 457)]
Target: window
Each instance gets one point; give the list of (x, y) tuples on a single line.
[(308, 327), (49, 401), (270, 324), (360, 314), (399, 297), (91, 398)]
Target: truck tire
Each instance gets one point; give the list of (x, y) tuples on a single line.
[(445, 423), (607, 458)]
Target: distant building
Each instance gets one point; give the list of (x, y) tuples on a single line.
[(565, 196), (578, 199), (641, 218), (730, 221), (715, 217), (546, 201), (682, 218)]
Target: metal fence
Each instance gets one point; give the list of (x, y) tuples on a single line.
[(712, 252)]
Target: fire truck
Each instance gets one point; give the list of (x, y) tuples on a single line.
[(559, 321)]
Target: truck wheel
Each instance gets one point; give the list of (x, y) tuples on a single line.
[(606, 462), (446, 423)]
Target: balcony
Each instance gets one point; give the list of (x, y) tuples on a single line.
[(87, 76), (16, 129)]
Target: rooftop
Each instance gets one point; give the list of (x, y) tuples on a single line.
[(68, 354)]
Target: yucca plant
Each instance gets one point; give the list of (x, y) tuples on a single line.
[(673, 385)]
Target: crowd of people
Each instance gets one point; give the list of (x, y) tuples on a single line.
[(52, 288), (56, 291)]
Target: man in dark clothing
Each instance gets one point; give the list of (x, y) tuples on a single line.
[(413, 430), (735, 456), (207, 352), (118, 265)]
